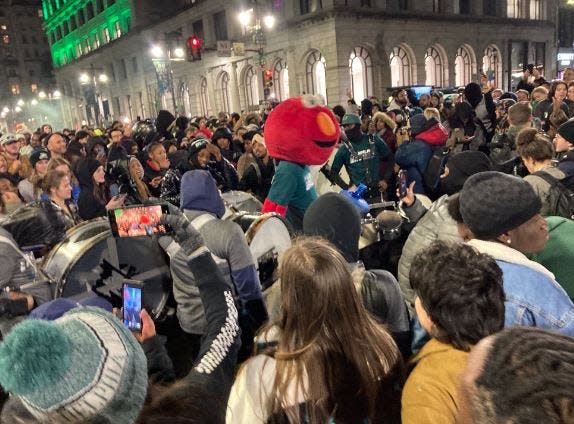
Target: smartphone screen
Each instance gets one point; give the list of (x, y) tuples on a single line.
[(137, 221), (403, 183), (132, 304)]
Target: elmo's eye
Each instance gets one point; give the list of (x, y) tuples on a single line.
[(326, 124)]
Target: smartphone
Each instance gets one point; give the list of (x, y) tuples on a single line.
[(403, 183), (138, 220), (132, 304)]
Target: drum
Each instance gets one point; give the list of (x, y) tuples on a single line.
[(240, 201), (389, 224), (268, 236), (79, 263), (369, 233)]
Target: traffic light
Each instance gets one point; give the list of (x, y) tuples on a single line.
[(268, 78), (194, 48)]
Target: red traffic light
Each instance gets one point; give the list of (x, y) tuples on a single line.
[(268, 74), (194, 42)]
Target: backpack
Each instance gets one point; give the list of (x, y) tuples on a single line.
[(560, 196), (501, 149), (435, 168)]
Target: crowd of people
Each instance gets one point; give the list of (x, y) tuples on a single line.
[(473, 324)]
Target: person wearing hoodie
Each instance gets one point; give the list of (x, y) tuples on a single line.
[(94, 200), (414, 155), (164, 123), (435, 222), (564, 146), (361, 157), (334, 218), (204, 207), (97, 149), (483, 106), (223, 138)]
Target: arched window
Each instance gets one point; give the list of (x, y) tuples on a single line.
[(203, 97), (183, 98), (251, 88), (492, 65), (361, 70), (400, 64), (281, 80), (316, 75), (462, 67), (224, 92), (434, 68)]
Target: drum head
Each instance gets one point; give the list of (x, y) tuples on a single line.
[(241, 201), (77, 264), (268, 237)]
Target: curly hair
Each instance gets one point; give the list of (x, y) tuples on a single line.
[(527, 377), (461, 291)]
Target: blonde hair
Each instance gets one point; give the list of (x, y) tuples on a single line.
[(431, 112)]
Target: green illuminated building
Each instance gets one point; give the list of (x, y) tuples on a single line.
[(76, 27)]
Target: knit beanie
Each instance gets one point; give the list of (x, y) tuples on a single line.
[(461, 166), (39, 154), (492, 203), (418, 124), (199, 192), (473, 94), (566, 130), (335, 218), (83, 367)]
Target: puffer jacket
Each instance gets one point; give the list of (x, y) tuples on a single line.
[(432, 224)]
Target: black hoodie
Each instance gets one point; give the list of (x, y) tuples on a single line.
[(89, 207)]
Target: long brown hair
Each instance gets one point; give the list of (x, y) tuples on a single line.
[(330, 349)]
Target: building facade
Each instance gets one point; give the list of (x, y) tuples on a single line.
[(336, 48), (26, 65)]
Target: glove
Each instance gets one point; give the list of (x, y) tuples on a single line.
[(184, 233)]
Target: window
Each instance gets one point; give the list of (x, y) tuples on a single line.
[(281, 80), (80, 17), (34, 88), (464, 7), (123, 68), (220, 24), (106, 34), (6, 39), (309, 6), (79, 49), (492, 66), (489, 7), (197, 28), (135, 68), (539, 54), (537, 10), (251, 89), (24, 39), (31, 73), (110, 2), (438, 6), (434, 68), (224, 92), (400, 65), (99, 6), (117, 30), (203, 97), (366, 3), (96, 39), (112, 71), (360, 68), (3, 28), (15, 89), (403, 4), (89, 11), (65, 29), (87, 46), (316, 74), (462, 67), (12, 73), (27, 54), (515, 8), (72, 24)]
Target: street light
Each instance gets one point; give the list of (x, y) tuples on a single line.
[(56, 94), (84, 78), (90, 77), (6, 109), (103, 78), (34, 102), (245, 17), (178, 53), (42, 95), (156, 51), (18, 109), (269, 21), (20, 102)]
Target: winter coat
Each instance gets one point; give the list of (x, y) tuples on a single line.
[(542, 187), (566, 162), (430, 394), (89, 207)]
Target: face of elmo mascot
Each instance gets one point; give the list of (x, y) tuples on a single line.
[(301, 130)]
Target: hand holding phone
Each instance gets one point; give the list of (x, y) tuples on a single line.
[(138, 220), (403, 183), (132, 291)]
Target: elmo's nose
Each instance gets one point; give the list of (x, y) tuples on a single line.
[(326, 124)]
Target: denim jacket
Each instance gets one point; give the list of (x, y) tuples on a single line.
[(533, 297)]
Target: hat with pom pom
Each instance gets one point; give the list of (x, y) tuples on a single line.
[(83, 367)]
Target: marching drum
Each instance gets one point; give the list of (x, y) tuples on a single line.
[(389, 224), (238, 202), (78, 263)]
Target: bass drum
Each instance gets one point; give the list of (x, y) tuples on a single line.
[(238, 202), (268, 236), (80, 262)]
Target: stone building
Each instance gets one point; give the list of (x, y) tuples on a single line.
[(332, 47), (26, 69)]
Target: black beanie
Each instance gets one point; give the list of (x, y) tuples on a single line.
[(473, 94), (566, 130), (492, 203), (335, 218), (461, 166)]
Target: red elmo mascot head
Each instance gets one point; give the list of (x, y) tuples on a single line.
[(301, 130)]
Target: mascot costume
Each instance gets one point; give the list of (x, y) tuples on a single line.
[(299, 132)]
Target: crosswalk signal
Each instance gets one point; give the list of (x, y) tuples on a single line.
[(268, 78), (194, 48)]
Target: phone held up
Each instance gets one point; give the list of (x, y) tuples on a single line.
[(132, 291), (403, 183), (138, 220)]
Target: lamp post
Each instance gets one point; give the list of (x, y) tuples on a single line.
[(162, 56), (91, 77)]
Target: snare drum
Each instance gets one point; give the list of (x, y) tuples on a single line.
[(389, 224), (240, 201), (75, 263), (268, 236)]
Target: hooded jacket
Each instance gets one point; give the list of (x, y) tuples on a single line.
[(435, 135), (89, 207)]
